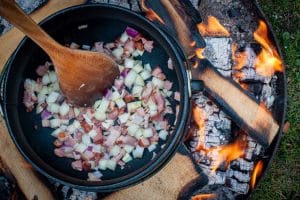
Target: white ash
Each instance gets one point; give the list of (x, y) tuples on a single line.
[(240, 176), (234, 185), (217, 178), (242, 164), (195, 3), (122, 3), (218, 52)]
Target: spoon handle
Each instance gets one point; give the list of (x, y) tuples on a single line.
[(15, 15)]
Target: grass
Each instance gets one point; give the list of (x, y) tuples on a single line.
[(283, 179)]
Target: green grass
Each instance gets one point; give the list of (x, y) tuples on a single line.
[(283, 179)]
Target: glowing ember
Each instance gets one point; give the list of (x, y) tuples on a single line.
[(268, 61), (150, 14), (256, 173), (228, 153), (199, 53), (204, 196), (240, 58), (193, 44), (212, 28)]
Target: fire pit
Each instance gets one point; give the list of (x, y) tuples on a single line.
[(225, 161)]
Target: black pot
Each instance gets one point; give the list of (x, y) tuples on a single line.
[(105, 23)]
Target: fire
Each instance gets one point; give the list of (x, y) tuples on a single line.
[(199, 53), (198, 116), (268, 61), (228, 153), (204, 196), (240, 58), (150, 14), (212, 28), (256, 173)]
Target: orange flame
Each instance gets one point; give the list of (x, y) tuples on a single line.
[(198, 116), (204, 196), (150, 14), (199, 53), (256, 173), (240, 58), (228, 153), (268, 61), (212, 28)]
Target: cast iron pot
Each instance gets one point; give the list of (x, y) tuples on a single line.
[(105, 23)]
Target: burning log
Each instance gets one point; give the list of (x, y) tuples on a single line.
[(255, 120)]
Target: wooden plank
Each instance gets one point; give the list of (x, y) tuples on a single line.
[(10, 40)]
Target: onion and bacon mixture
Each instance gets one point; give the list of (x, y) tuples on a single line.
[(129, 119)]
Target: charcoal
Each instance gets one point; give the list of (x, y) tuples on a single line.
[(233, 12), (135, 5), (217, 178), (122, 3), (234, 185), (240, 176)]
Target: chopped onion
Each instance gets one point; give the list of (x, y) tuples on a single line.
[(133, 106), (132, 129), (163, 134), (152, 147), (139, 80), (147, 133), (138, 152), (46, 114), (128, 63), (123, 118), (92, 133), (64, 109), (118, 52), (128, 148), (127, 158), (52, 97), (80, 147), (46, 79), (52, 77), (100, 115), (158, 83), (73, 45), (54, 123), (111, 164), (124, 37), (145, 74), (103, 106), (115, 150), (86, 47), (137, 91), (130, 78), (131, 32), (86, 139), (45, 123), (138, 67), (120, 103), (103, 164)]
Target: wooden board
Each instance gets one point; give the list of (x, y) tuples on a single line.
[(165, 185)]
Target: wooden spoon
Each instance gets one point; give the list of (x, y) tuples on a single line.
[(82, 75)]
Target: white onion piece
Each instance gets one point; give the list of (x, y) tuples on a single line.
[(129, 63), (46, 79), (130, 78), (39, 109), (41, 98), (86, 47), (44, 90), (158, 83), (132, 129), (118, 52), (138, 152), (45, 123), (54, 123), (97, 104), (76, 112), (111, 164), (139, 80), (80, 147), (137, 90), (97, 148), (152, 147), (148, 67), (145, 74), (73, 45), (133, 106), (115, 150), (103, 106), (100, 116), (163, 134), (64, 109), (115, 95), (127, 158), (135, 53), (52, 77), (124, 37), (53, 108), (56, 132), (147, 133), (103, 164), (139, 133), (123, 118), (128, 148), (86, 139), (92, 133), (52, 97), (120, 103), (138, 67)]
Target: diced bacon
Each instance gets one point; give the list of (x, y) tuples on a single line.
[(154, 138), (120, 155), (143, 142), (148, 45), (112, 137), (99, 47), (147, 92), (168, 85), (86, 166), (97, 157), (146, 122), (177, 96), (77, 165), (129, 98), (98, 139), (86, 127), (161, 76), (159, 100), (78, 136), (170, 64), (113, 115), (129, 46), (126, 140), (42, 69), (156, 71), (139, 45), (87, 155)]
